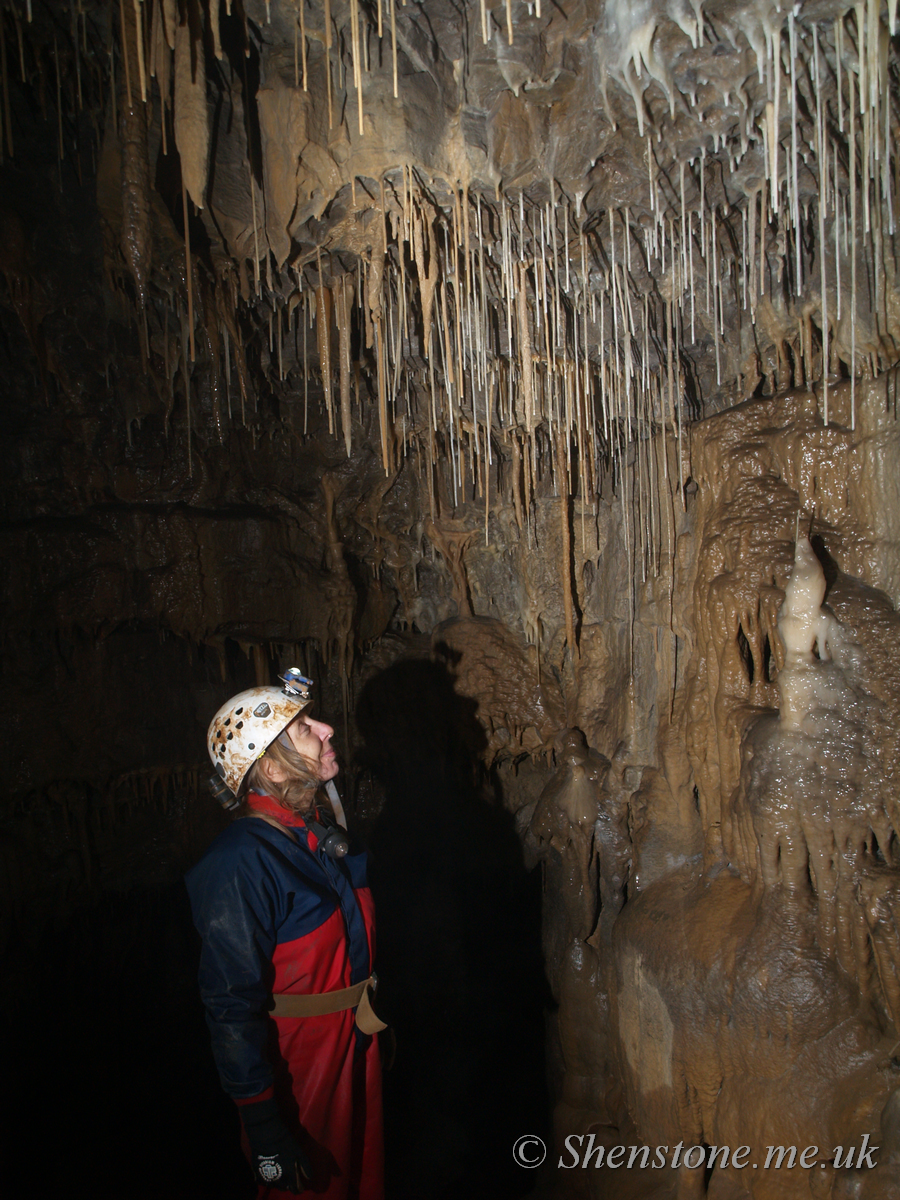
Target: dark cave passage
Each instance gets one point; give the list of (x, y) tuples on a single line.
[(114, 1089)]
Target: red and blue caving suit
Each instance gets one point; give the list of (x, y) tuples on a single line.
[(277, 916)]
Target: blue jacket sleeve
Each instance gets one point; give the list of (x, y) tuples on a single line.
[(235, 910)]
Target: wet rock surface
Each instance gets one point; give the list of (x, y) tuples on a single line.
[(502, 406)]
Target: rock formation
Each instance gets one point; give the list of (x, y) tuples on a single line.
[(555, 345)]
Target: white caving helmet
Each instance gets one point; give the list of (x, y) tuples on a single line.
[(246, 725)]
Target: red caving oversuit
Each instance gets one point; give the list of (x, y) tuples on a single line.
[(279, 916)]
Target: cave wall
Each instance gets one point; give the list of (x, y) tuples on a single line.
[(775, 1015), (521, 370)]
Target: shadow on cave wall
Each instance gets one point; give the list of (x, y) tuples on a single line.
[(107, 1060), (459, 946)]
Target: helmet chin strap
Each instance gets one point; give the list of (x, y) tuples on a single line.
[(332, 837), (330, 831), (339, 815)]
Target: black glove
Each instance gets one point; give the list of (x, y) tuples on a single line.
[(276, 1158)]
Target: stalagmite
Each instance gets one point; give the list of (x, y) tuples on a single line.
[(807, 633)]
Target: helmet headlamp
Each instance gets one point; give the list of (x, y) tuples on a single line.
[(296, 684), (247, 724)]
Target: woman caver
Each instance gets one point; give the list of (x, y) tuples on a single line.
[(286, 920)]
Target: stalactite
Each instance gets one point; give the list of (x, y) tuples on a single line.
[(357, 63), (323, 341), (135, 234), (214, 30), (169, 10), (345, 306), (7, 115), (191, 112), (188, 271), (509, 287), (428, 272), (562, 477), (210, 329), (328, 44)]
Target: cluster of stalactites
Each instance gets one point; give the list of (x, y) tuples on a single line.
[(493, 318), (489, 317)]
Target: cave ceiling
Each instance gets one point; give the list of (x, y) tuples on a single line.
[(588, 219), (519, 246)]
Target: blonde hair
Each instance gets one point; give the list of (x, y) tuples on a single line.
[(298, 791)]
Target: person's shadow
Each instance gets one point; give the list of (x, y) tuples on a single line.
[(458, 957)]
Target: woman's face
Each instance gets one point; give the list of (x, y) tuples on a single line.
[(312, 740)]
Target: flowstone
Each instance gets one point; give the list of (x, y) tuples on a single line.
[(755, 996)]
